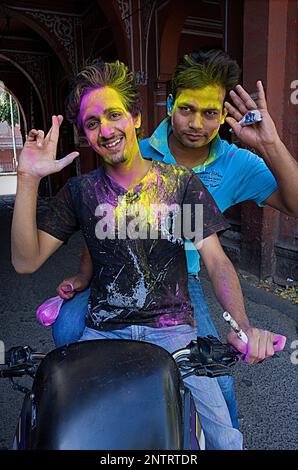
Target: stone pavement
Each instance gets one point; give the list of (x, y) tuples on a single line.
[(266, 393)]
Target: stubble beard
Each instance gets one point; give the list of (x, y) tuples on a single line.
[(194, 145), (115, 160)]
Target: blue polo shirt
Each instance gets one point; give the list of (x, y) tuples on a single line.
[(231, 174)]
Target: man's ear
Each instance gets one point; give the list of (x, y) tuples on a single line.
[(224, 115), (137, 121), (170, 105)]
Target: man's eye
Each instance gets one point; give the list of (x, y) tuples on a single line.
[(211, 114), (92, 125), (115, 115), (185, 109)]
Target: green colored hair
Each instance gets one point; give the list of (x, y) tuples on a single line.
[(99, 74), (205, 67)]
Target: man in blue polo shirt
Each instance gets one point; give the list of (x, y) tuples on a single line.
[(189, 136)]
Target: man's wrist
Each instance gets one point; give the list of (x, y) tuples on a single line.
[(244, 325), (272, 148), (26, 180), (84, 277), (82, 274), (242, 322)]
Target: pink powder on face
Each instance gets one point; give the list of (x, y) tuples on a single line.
[(105, 119)]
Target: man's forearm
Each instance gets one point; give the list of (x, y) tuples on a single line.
[(285, 169), (24, 235), (228, 291), (86, 266)]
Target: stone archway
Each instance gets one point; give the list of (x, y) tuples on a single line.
[(31, 80), (170, 38), (57, 30), (117, 12)]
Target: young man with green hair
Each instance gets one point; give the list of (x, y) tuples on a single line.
[(139, 283), (189, 136)]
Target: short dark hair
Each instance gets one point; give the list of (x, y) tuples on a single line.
[(205, 67), (115, 75)]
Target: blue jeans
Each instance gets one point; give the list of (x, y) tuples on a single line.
[(207, 327), (70, 324), (71, 321), (212, 409)]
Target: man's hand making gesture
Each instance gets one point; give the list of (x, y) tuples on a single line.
[(38, 157), (31, 247)]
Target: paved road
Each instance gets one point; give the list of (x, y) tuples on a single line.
[(266, 393)]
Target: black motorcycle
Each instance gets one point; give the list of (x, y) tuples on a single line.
[(113, 394)]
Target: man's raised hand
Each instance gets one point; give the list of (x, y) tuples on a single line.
[(257, 135), (38, 157)]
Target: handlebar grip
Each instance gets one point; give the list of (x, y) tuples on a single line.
[(279, 342)]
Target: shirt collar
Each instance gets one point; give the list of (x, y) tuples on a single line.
[(216, 150), (143, 184), (159, 141)]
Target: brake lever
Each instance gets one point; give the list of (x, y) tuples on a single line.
[(241, 356), (213, 373), (216, 370)]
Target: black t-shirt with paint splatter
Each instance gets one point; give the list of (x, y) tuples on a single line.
[(142, 278)]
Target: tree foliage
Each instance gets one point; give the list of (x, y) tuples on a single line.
[(5, 114)]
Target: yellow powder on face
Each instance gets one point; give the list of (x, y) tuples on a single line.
[(210, 97), (101, 106)]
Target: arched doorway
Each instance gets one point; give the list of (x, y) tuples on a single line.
[(13, 127)]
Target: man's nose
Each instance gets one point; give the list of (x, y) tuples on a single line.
[(106, 129), (196, 121)]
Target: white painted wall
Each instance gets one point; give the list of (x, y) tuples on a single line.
[(8, 183)]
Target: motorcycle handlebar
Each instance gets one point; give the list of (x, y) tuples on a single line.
[(20, 360), (22, 355), (205, 356)]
